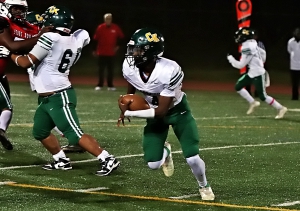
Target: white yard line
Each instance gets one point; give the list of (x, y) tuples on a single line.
[(91, 189), (286, 204), (174, 152), (19, 95), (143, 120), (184, 196), (6, 182), (294, 109)]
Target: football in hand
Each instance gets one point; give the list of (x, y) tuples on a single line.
[(137, 102)]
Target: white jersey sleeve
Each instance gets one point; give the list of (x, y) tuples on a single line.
[(47, 40), (174, 83)]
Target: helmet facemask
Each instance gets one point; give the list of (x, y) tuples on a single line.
[(137, 56), (18, 13)]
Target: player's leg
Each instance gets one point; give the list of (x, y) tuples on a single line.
[(239, 87), (110, 73), (5, 117), (185, 129), (41, 131), (154, 137), (64, 115), (295, 84), (259, 83), (101, 71)]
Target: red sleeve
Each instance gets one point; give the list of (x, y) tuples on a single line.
[(120, 32), (97, 33)]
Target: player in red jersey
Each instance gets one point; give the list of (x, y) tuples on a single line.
[(13, 25)]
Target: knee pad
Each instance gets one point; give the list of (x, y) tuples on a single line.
[(154, 165), (40, 135), (73, 139)]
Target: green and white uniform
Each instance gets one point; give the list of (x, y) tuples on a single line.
[(165, 80), (254, 57), (57, 54)]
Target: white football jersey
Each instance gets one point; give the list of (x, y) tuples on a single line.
[(165, 80), (63, 52), (256, 64)]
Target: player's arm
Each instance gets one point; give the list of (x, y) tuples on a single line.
[(245, 59), (37, 54), (16, 46), (289, 47), (130, 89), (165, 99)]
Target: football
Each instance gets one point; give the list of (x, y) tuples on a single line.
[(138, 102)]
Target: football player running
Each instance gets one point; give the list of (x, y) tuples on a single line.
[(12, 25), (254, 57), (160, 80), (36, 19), (53, 55)]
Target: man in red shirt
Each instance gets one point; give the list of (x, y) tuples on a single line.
[(107, 36), (12, 26)]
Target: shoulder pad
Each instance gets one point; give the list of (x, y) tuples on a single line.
[(82, 35)]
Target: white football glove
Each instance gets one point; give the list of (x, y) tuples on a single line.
[(230, 58), (4, 52)]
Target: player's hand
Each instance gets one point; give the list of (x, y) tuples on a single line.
[(46, 29), (123, 107), (230, 58), (121, 120)]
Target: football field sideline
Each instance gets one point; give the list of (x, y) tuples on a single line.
[(151, 198)]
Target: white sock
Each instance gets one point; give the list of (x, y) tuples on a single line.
[(198, 168), (58, 131), (157, 164), (245, 94), (104, 154), (5, 118), (60, 154), (271, 101)]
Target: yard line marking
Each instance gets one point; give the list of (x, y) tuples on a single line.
[(174, 152), (152, 198), (286, 204), (91, 189), (19, 95), (143, 120), (294, 109), (184, 196), (6, 182)]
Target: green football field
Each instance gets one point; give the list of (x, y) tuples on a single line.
[(252, 161)]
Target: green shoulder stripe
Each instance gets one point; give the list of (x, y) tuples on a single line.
[(246, 51)]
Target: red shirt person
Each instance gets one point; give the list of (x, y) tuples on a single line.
[(107, 36)]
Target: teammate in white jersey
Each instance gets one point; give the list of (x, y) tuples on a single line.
[(254, 57), (160, 80), (53, 55)]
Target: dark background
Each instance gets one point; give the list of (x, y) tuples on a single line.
[(198, 33)]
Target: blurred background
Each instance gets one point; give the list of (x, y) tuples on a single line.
[(198, 33)]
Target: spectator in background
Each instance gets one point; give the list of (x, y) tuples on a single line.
[(107, 36), (293, 47)]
